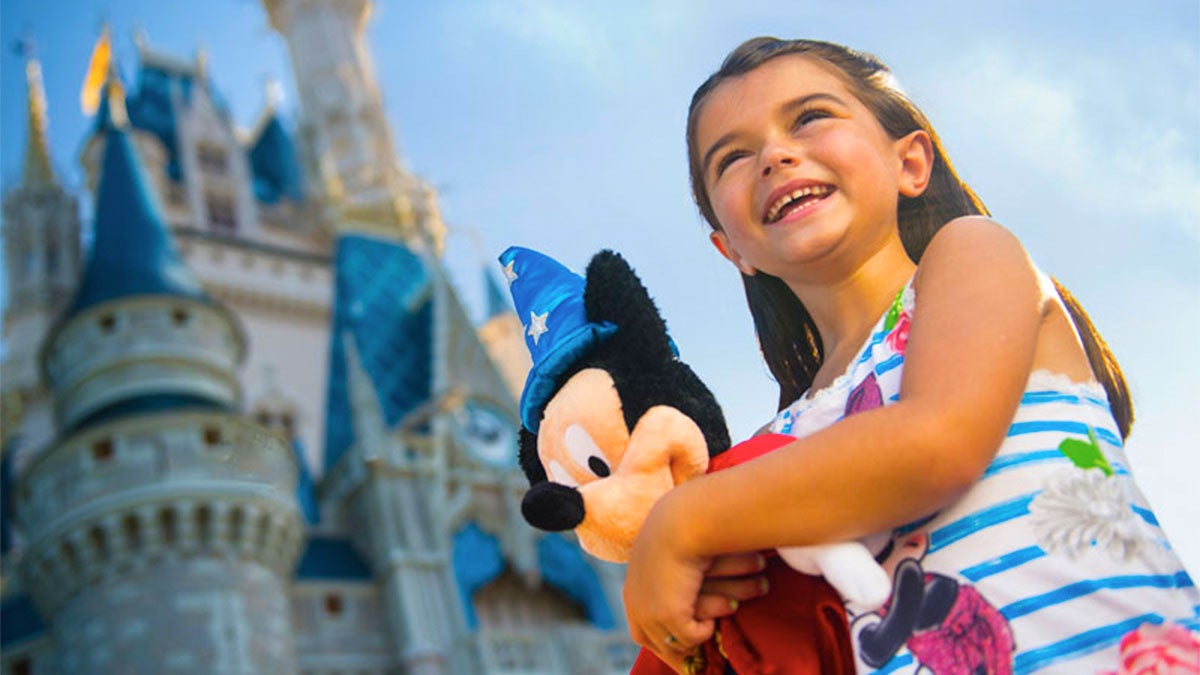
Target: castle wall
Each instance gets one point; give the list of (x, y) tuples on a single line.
[(339, 627), (207, 615), (283, 302)]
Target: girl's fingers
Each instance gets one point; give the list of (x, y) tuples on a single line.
[(721, 597), (715, 607), (740, 588), (736, 565)]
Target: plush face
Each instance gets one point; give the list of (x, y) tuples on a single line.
[(584, 443), (627, 421)]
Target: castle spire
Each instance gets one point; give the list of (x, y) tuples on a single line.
[(37, 170), (132, 253)]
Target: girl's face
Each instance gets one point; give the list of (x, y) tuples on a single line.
[(798, 170)]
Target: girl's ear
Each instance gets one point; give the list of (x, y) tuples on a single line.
[(916, 162), (721, 242)]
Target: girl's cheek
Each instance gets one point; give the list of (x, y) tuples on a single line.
[(726, 203)]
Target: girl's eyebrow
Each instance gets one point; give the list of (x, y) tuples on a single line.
[(793, 104)]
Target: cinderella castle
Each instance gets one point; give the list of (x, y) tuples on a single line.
[(252, 428)]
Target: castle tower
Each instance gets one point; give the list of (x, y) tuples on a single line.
[(161, 526), (350, 150), (41, 245)]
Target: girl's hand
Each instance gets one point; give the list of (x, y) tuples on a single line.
[(731, 580), (662, 586)]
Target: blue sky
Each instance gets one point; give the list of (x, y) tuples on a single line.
[(559, 125)]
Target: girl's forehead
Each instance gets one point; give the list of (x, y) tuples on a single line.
[(769, 85), (784, 77)]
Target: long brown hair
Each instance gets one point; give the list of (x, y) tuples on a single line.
[(786, 332)]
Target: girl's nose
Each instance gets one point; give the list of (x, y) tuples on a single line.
[(776, 158)]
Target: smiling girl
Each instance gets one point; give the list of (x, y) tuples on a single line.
[(940, 387)]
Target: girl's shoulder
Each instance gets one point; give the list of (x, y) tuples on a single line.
[(972, 238), (978, 250)]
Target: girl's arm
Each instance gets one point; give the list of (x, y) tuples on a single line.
[(969, 355)]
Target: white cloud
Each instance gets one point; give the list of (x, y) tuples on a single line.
[(1086, 132), (561, 30)]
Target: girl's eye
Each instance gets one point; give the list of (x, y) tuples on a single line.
[(727, 160), (810, 115)]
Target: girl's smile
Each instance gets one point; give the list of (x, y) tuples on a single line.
[(794, 200)]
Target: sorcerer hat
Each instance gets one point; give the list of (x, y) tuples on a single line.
[(549, 302)]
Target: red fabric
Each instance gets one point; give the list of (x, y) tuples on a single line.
[(799, 627)]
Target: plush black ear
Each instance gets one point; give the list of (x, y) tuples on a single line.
[(531, 464), (614, 293)]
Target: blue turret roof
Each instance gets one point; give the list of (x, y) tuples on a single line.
[(383, 299), (306, 489), (277, 173), (150, 109), (330, 558), (20, 619), (131, 253)]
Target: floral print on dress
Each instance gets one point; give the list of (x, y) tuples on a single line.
[(898, 321), (1088, 507), (1159, 649)]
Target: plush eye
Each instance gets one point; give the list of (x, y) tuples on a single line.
[(585, 452), (598, 466)]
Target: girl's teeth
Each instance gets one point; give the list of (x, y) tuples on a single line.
[(777, 207)]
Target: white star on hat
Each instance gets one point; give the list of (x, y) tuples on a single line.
[(510, 274), (537, 326)]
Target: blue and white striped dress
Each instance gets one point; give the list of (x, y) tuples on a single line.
[(1049, 564)]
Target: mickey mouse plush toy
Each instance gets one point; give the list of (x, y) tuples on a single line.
[(612, 420)]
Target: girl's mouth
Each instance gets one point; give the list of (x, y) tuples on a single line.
[(796, 200)]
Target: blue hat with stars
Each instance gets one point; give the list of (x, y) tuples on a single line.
[(549, 302)]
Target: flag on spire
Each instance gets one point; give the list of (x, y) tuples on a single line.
[(97, 73)]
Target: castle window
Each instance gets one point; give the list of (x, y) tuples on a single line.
[(98, 541), (132, 530), (288, 425), (179, 316), (204, 524), (108, 322), (212, 436), (102, 450), (166, 522), (333, 604), (281, 420), (212, 159), (222, 216)]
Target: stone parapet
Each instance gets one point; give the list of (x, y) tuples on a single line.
[(121, 496), (134, 347)]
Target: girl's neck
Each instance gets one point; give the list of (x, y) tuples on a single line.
[(846, 305)]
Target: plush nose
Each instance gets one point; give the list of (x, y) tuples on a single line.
[(553, 506)]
